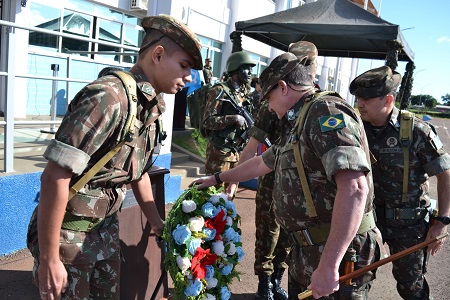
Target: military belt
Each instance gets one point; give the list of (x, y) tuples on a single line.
[(399, 213), (317, 235), (84, 224)]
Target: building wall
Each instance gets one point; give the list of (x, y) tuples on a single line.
[(212, 19)]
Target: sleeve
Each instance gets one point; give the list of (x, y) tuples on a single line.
[(263, 123), (269, 157), (93, 120), (338, 138), (431, 151)]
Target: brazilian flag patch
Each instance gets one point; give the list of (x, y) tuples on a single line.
[(332, 122)]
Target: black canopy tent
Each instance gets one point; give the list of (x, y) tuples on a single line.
[(338, 28)]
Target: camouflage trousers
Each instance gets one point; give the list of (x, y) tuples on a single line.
[(409, 271), (219, 161), (272, 241), (92, 260), (304, 260)]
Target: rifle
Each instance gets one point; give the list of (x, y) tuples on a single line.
[(379, 263), (243, 112)]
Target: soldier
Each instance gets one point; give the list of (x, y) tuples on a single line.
[(83, 262), (402, 191), (255, 96), (207, 71), (271, 246), (221, 119), (330, 215)]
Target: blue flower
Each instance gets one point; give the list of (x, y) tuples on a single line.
[(210, 234), (194, 288), (181, 234), (240, 253), (224, 293), (208, 209), (230, 205), (226, 270), (231, 235), (209, 272), (217, 210), (193, 244)]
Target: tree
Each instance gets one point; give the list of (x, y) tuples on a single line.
[(425, 100), (446, 99)]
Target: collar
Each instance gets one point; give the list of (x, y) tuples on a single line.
[(292, 114)]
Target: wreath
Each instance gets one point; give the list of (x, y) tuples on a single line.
[(203, 245)]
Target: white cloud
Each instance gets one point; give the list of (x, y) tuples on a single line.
[(443, 39)]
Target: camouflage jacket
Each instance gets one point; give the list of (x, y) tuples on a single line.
[(207, 74), (223, 133), (91, 127), (427, 157), (267, 125), (332, 139)]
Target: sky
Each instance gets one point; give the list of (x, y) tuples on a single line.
[(426, 27)]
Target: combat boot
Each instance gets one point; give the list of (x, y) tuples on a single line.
[(264, 288), (278, 292)]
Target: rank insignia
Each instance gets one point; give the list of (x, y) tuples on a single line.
[(332, 122)]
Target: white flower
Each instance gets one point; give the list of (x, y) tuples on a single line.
[(210, 297), (223, 196), (196, 223), (232, 249), (183, 263), (214, 199), (229, 221), (188, 206), (218, 247), (212, 283)]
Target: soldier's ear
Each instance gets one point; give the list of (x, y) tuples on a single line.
[(157, 53)]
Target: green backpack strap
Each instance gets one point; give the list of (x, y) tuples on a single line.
[(405, 136), (128, 133), (311, 209)]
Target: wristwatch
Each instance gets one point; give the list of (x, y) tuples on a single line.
[(444, 220), (216, 176)]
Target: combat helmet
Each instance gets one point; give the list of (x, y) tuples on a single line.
[(238, 59)]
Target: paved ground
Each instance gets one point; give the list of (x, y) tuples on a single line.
[(15, 275)]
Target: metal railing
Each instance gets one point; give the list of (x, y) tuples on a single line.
[(9, 123)]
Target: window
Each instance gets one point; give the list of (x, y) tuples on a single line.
[(84, 19), (261, 64), (213, 50)]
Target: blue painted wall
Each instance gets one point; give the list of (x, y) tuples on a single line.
[(19, 197)]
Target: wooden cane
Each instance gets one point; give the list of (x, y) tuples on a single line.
[(379, 263)]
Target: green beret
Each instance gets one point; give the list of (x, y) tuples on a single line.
[(179, 33), (375, 83)]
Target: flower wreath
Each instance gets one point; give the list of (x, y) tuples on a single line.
[(203, 245)]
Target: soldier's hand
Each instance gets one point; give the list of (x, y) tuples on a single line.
[(436, 230), (237, 120), (204, 182)]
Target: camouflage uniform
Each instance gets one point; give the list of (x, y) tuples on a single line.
[(324, 152), (92, 126), (207, 74), (256, 103), (271, 246), (224, 138), (426, 158)]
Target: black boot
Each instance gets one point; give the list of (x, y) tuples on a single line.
[(278, 292), (264, 288)]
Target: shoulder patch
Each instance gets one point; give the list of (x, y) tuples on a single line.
[(331, 122)]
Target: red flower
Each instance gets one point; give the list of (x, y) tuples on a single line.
[(201, 259), (218, 223)]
